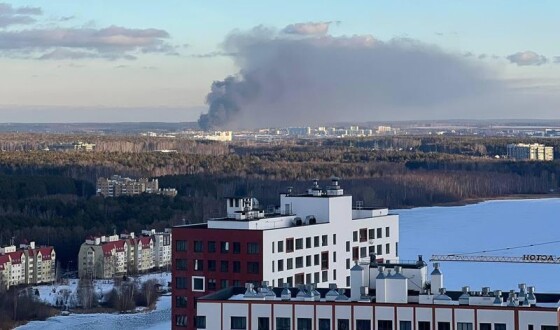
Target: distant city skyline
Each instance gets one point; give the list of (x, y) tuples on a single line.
[(105, 61)]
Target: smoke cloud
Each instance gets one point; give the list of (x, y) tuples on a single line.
[(287, 80)]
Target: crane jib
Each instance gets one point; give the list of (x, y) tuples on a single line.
[(526, 258)]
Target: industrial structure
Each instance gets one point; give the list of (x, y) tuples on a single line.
[(312, 237), (382, 296)]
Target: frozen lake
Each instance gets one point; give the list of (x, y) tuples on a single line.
[(486, 226)]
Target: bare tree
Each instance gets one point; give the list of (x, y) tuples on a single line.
[(86, 294)]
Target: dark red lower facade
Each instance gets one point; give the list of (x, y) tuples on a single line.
[(207, 260)]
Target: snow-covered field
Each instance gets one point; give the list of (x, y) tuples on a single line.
[(485, 226), (426, 231)]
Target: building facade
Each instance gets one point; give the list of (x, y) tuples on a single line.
[(310, 238), (119, 186), (112, 256), (535, 151), (389, 302), (27, 265)]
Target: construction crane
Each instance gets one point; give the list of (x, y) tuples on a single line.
[(524, 259)]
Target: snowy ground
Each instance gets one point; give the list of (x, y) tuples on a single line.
[(160, 318), (486, 226)]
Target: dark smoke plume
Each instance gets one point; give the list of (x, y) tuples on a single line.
[(306, 80)]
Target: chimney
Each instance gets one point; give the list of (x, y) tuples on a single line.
[(381, 286), (286, 294), (356, 281), (437, 278)]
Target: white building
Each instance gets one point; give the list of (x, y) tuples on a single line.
[(394, 303), (27, 265), (535, 151)]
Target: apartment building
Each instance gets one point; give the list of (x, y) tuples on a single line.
[(382, 296), (120, 186), (311, 237), (535, 151), (27, 265), (114, 255)]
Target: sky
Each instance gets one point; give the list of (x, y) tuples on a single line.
[(105, 61)]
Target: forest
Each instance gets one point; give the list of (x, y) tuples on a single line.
[(49, 196)]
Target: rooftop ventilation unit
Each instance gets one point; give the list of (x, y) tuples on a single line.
[(297, 221), (310, 220)]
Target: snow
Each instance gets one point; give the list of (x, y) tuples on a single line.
[(485, 226)]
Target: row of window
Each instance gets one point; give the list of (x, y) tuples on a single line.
[(285, 323), (198, 246), (292, 244), (252, 267), (318, 260), (364, 252), (364, 234), (309, 278)]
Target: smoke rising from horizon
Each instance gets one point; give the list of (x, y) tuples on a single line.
[(306, 80)]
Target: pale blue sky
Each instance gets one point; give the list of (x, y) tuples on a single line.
[(156, 79)]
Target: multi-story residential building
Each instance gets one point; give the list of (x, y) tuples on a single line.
[(110, 256), (535, 151), (383, 297), (27, 265), (311, 238), (119, 186)]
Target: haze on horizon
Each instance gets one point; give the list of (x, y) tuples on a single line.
[(277, 63)]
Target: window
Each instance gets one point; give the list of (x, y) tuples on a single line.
[(181, 246), (280, 282), (308, 261), (405, 325), (363, 235), (308, 278), (224, 266), (371, 249), (324, 240), (355, 236), (289, 245), (334, 239), (499, 326), (442, 325), (371, 235), (181, 320), (316, 241), (325, 276), (236, 247), (238, 322), (384, 325), (423, 325), (180, 301), (253, 248), (347, 246), (316, 277), (290, 281), (464, 326), (201, 322), (363, 252), (325, 260), (263, 323), (334, 256), (379, 250), (211, 284), (299, 279), (237, 267), (334, 274), (181, 264), (324, 324), (363, 325), (181, 282), (299, 243), (211, 248), (223, 284), (280, 265), (282, 323), (397, 249), (548, 327), (212, 265), (355, 253), (290, 263), (224, 247), (280, 246), (379, 233), (304, 324), (198, 246), (387, 248), (485, 326), (316, 260), (343, 324), (308, 242), (299, 262), (253, 267), (272, 247), (198, 283), (387, 232), (348, 281)]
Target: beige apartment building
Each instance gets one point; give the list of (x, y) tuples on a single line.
[(535, 151), (119, 186), (27, 265)]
